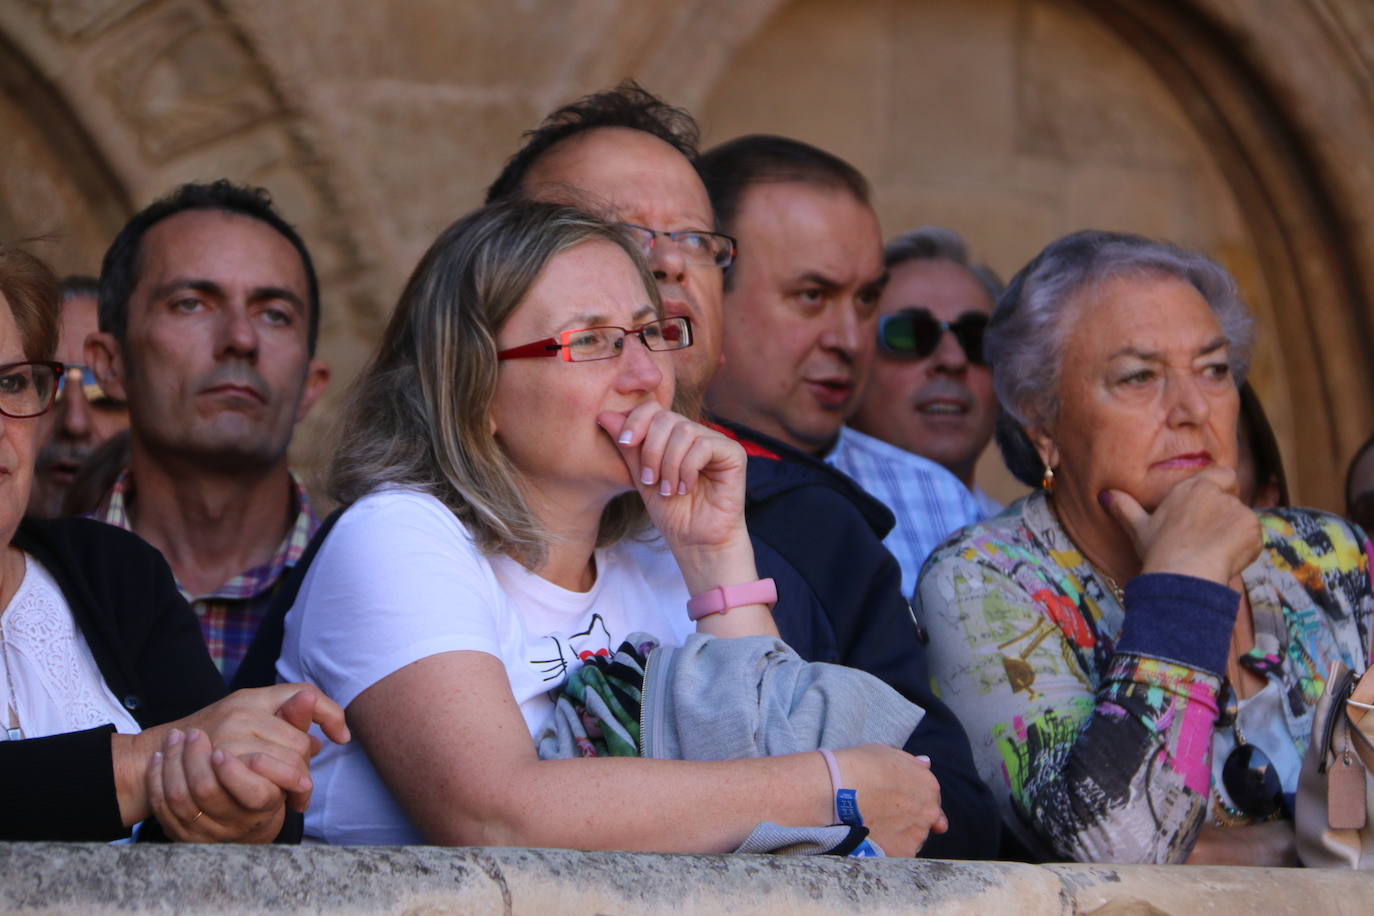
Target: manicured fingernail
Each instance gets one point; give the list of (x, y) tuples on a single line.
[(665, 488), (646, 476), (174, 737), (626, 437), (157, 758), (217, 757), (923, 758), (682, 488), (194, 735), (1105, 498)]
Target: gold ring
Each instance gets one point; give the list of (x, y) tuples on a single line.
[(199, 812)]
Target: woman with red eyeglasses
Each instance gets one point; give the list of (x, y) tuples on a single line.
[(504, 458)]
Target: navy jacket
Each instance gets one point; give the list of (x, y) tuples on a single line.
[(819, 535)]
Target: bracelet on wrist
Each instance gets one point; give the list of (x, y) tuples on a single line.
[(723, 598), (846, 800)]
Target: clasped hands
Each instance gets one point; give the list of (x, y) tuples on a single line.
[(228, 772)]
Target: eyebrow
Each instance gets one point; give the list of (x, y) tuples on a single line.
[(877, 284), (1153, 356), (811, 277), (211, 288), (598, 320)]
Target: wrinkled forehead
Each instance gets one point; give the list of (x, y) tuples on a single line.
[(623, 174), (229, 249)]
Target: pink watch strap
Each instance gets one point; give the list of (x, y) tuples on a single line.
[(722, 598)]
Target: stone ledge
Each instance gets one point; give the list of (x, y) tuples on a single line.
[(92, 878)]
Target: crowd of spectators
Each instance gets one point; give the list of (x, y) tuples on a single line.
[(657, 528)]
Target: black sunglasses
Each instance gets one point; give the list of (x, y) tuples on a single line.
[(915, 333), (1248, 775)]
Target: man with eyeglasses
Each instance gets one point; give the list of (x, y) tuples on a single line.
[(930, 389), (630, 157), (209, 313), (84, 416), (626, 155)]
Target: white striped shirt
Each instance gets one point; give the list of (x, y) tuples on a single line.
[(929, 502)]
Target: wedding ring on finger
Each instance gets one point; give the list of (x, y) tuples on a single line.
[(199, 812)]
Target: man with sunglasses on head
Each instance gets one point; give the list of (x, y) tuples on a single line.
[(84, 416), (930, 389)]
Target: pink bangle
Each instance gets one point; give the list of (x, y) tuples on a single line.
[(722, 598), (836, 783)]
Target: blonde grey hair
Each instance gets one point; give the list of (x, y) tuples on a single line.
[(419, 415)]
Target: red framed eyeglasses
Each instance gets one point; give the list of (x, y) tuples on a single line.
[(586, 344)]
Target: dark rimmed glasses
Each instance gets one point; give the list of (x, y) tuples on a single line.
[(711, 249), (1248, 775), (583, 345), (29, 388), (915, 333)]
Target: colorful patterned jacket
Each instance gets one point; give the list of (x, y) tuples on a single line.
[(1093, 725)]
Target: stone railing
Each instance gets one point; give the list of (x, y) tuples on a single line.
[(422, 880)]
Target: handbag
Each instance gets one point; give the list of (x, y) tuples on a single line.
[(1334, 811)]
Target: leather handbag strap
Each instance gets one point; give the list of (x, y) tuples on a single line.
[(1339, 689)]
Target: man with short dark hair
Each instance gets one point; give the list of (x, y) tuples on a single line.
[(209, 311), (631, 158), (930, 390), (84, 416), (801, 312)]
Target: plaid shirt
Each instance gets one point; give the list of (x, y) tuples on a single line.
[(929, 502), (229, 616)]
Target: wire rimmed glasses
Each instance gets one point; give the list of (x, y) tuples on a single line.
[(710, 249), (583, 345)]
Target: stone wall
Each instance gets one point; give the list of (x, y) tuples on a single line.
[(62, 878), (1238, 126)]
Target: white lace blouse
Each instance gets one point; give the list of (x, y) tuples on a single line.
[(47, 670)]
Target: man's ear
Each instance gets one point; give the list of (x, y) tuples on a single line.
[(316, 381), (105, 356)]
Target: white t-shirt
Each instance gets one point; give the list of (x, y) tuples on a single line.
[(399, 579)]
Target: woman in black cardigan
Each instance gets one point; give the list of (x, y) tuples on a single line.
[(206, 766)]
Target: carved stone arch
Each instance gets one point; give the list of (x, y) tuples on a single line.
[(131, 98), (58, 194)]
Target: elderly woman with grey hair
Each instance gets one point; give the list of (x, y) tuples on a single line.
[(1136, 653)]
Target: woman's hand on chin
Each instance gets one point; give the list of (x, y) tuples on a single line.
[(690, 476), (1201, 528), (692, 481)]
